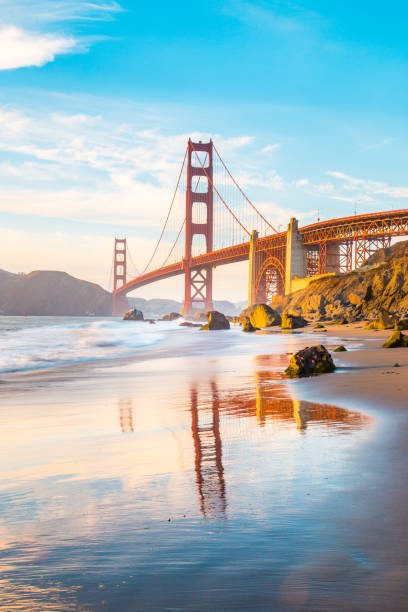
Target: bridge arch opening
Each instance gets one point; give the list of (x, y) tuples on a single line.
[(270, 280)]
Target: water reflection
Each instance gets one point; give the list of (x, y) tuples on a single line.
[(205, 429), (83, 505), (126, 415)]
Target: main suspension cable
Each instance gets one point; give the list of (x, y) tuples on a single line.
[(238, 187), (218, 193), (168, 214)]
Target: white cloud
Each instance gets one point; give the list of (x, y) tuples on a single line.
[(20, 48), (368, 187), (271, 148)]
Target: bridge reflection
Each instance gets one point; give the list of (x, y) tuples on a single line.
[(262, 399), (205, 429)]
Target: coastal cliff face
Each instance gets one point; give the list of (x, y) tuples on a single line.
[(380, 285), (51, 293)]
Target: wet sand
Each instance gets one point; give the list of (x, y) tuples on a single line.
[(204, 480)]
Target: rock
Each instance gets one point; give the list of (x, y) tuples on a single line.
[(381, 286), (319, 326), (216, 320), (384, 321), (310, 360), (261, 315), (401, 324), (173, 316), (247, 325), (133, 315), (290, 321), (189, 324), (397, 339), (340, 349)]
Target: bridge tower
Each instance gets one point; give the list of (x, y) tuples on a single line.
[(119, 276), (198, 281)]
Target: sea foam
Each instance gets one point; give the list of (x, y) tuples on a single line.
[(46, 346)]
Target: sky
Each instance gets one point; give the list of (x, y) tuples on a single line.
[(306, 101)]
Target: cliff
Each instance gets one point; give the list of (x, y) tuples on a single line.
[(380, 285), (51, 293)]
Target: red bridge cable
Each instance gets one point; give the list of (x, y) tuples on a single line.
[(168, 214), (236, 185), (131, 260), (174, 244), (218, 193)]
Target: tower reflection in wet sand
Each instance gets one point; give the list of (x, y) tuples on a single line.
[(205, 428)]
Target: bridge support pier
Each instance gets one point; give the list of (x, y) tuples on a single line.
[(295, 255)]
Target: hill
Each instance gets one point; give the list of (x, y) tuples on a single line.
[(51, 293), (380, 285)]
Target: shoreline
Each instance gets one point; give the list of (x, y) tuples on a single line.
[(365, 373)]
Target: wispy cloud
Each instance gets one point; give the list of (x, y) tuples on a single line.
[(25, 36), (368, 187), (271, 148)]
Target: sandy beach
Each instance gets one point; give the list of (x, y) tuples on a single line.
[(124, 476)]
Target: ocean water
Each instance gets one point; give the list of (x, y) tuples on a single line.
[(32, 343)]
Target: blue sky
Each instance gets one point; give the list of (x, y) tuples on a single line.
[(305, 100)]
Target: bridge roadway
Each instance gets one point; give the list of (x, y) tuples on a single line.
[(358, 227)]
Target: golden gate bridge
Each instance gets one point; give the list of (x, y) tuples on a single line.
[(211, 222)]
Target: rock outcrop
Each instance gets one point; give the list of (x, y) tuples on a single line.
[(246, 324), (173, 316), (261, 315), (340, 349), (309, 361), (133, 315), (216, 320), (290, 321), (396, 340), (381, 285)]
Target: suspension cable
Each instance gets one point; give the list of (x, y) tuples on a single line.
[(218, 193), (168, 214), (238, 187), (174, 244)]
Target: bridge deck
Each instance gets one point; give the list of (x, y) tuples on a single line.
[(372, 225)]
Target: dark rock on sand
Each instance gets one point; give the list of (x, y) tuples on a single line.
[(261, 315), (290, 321), (310, 360), (396, 340), (340, 349), (133, 315), (384, 321), (216, 320)]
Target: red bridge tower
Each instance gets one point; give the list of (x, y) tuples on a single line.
[(119, 276), (198, 281)]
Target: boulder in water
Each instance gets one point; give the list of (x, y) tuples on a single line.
[(247, 325), (309, 361), (340, 349), (261, 315), (216, 320), (173, 316), (133, 315)]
